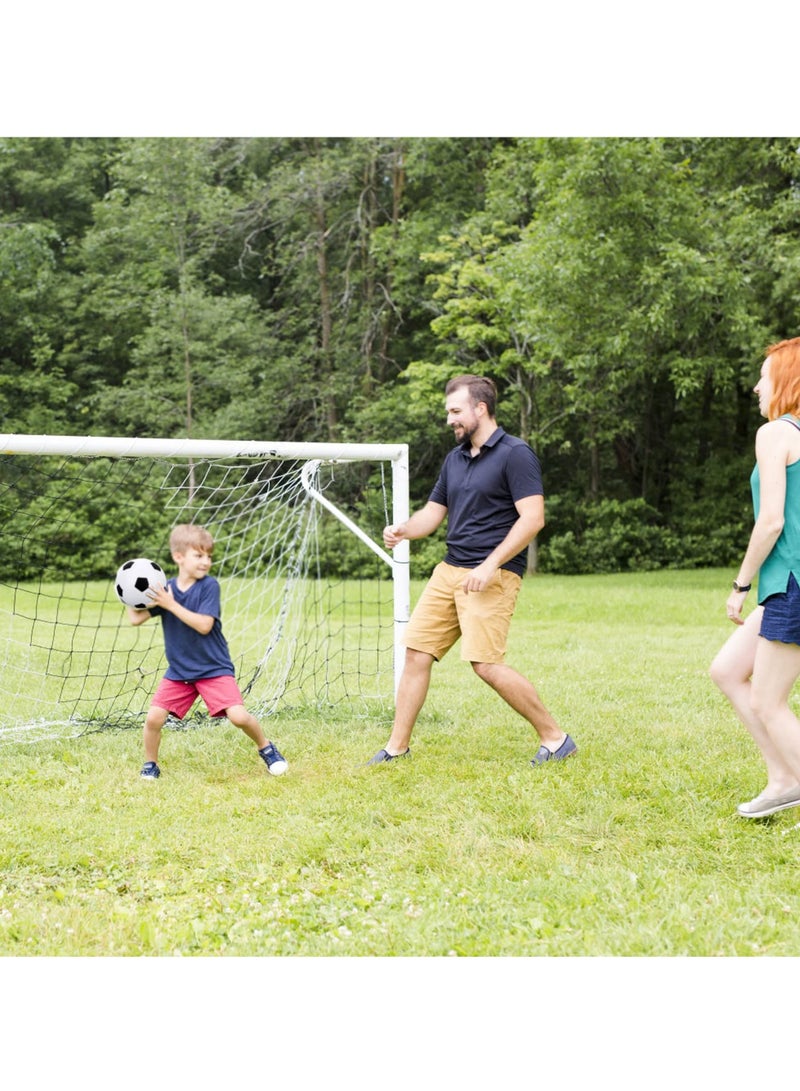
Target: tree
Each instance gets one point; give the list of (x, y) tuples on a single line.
[(618, 306), (171, 351)]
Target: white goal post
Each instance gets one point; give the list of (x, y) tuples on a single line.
[(244, 489)]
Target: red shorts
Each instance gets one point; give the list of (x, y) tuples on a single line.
[(177, 698)]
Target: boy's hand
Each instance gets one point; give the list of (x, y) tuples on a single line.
[(161, 596)]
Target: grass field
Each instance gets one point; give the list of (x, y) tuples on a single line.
[(631, 849)]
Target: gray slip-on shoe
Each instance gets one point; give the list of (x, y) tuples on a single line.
[(763, 805), (566, 750), (384, 755)]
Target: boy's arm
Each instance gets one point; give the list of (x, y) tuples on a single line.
[(138, 617), (163, 597)]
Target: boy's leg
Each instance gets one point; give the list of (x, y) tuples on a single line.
[(222, 696), (275, 762), (174, 698), (154, 721), (246, 721)]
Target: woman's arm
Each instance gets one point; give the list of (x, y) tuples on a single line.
[(773, 451)]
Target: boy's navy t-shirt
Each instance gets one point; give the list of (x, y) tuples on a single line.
[(191, 655), (479, 494)]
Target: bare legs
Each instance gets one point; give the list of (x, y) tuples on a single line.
[(517, 691), (513, 687), (776, 670), (411, 694), (154, 721), (237, 714), (757, 676), (245, 721)]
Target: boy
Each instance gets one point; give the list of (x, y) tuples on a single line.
[(199, 663)]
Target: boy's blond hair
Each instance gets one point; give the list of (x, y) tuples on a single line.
[(187, 536)]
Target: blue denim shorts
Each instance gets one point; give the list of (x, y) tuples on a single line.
[(781, 619)]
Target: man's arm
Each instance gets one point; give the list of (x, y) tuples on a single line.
[(530, 511), (420, 525)]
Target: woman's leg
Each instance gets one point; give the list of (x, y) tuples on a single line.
[(732, 671), (776, 669)]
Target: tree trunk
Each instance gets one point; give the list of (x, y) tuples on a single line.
[(326, 313)]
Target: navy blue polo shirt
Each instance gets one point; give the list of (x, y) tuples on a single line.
[(479, 494)]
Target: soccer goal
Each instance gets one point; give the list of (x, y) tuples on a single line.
[(313, 607)]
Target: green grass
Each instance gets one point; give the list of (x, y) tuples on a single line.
[(630, 849)]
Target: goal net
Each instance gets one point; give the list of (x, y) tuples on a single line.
[(312, 606)]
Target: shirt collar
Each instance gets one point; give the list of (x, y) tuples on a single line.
[(492, 441)]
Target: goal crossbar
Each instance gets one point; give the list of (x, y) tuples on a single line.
[(122, 447)]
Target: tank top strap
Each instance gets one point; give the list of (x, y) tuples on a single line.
[(792, 420)]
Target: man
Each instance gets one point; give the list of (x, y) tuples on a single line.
[(490, 490)]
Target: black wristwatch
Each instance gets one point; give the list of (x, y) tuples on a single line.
[(741, 586)]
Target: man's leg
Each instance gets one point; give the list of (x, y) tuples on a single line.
[(411, 694), (433, 624), (522, 696)]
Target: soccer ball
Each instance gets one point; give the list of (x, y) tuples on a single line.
[(135, 578)]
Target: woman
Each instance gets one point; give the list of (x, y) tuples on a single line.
[(757, 667)]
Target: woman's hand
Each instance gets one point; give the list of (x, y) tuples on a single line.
[(735, 606)]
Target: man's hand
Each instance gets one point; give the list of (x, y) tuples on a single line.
[(394, 535), (479, 578)]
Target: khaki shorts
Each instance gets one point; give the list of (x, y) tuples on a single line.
[(445, 612)]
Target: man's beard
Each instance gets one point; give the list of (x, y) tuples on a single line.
[(462, 434)]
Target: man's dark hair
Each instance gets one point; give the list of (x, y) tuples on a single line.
[(480, 390)]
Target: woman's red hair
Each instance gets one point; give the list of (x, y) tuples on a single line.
[(784, 373)]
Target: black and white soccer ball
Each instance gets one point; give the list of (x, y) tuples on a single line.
[(135, 578)]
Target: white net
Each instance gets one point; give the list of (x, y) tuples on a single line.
[(307, 608)]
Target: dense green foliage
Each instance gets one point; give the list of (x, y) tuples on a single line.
[(620, 291)]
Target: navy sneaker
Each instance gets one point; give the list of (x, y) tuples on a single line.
[(274, 760), (566, 750), (384, 755), (150, 771)]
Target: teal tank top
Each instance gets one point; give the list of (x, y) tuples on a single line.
[(784, 560)]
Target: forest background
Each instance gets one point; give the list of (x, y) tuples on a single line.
[(620, 291)]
